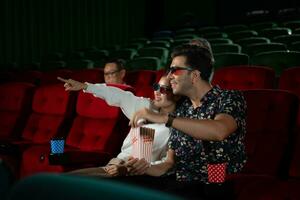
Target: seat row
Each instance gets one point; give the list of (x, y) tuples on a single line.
[(31, 116)]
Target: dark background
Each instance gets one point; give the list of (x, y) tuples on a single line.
[(31, 28)]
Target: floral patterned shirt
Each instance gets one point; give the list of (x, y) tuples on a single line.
[(193, 155)]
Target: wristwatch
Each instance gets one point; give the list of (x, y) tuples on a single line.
[(171, 117)]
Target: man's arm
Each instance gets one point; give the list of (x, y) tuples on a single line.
[(217, 129)]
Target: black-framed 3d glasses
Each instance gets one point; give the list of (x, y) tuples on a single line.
[(161, 88)]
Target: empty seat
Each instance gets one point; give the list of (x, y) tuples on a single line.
[(50, 77), (159, 43), (52, 107), (220, 41), (95, 136), (140, 78), (159, 52), (244, 77), (256, 48), (287, 39), (295, 46), (274, 32), (126, 54), (142, 81), (185, 31), (79, 64), (290, 80), (235, 28), (144, 63), (88, 75), (230, 59), (252, 40), (242, 34), (185, 36), (214, 35), (278, 60), (140, 40), (163, 33), (208, 29), (262, 25), (226, 48), (30, 76), (292, 24), (269, 122), (52, 65), (15, 107)]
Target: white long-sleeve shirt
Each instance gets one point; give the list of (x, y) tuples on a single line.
[(129, 104)]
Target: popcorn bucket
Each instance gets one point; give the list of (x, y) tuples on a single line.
[(216, 172), (142, 142)]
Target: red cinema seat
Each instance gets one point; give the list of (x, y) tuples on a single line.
[(15, 107), (244, 77), (270, 119), (142, 81), (96, 135), (52, 111)]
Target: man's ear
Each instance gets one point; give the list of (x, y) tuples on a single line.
[(123, 73), (196, 76)]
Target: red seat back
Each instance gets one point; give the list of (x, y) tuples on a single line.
[(15, 103), (98, 126), (51, 108), (269, 122), (244, 77)]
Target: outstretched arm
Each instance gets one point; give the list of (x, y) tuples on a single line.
[(112, 95)]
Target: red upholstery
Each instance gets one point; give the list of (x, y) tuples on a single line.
[(159, 74), (290, 80), (269, 121), (51, 106), (244, 77), (31, 76), (97, 128), (140, 78), (142, 81), (35, 159), (88, 75), (15, 103), (50, 77)]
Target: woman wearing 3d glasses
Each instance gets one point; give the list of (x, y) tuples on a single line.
[(164, 102)]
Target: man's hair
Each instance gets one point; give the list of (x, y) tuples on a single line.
[(119, 62), (196, 57)]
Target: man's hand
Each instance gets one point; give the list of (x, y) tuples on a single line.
[(72, 85), (137, 166)]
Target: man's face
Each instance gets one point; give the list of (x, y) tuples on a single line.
[(180, 78), (112, 74)]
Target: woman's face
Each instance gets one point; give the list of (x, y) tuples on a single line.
[(163, 96)]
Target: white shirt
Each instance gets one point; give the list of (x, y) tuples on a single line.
[(129, 104)]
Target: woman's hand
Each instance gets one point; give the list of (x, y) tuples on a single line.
[(147, 115), (72, 85), (137, 166)]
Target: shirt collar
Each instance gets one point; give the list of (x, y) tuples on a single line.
[(212, 94)]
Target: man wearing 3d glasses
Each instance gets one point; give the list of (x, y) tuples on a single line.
[(207, 128)]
